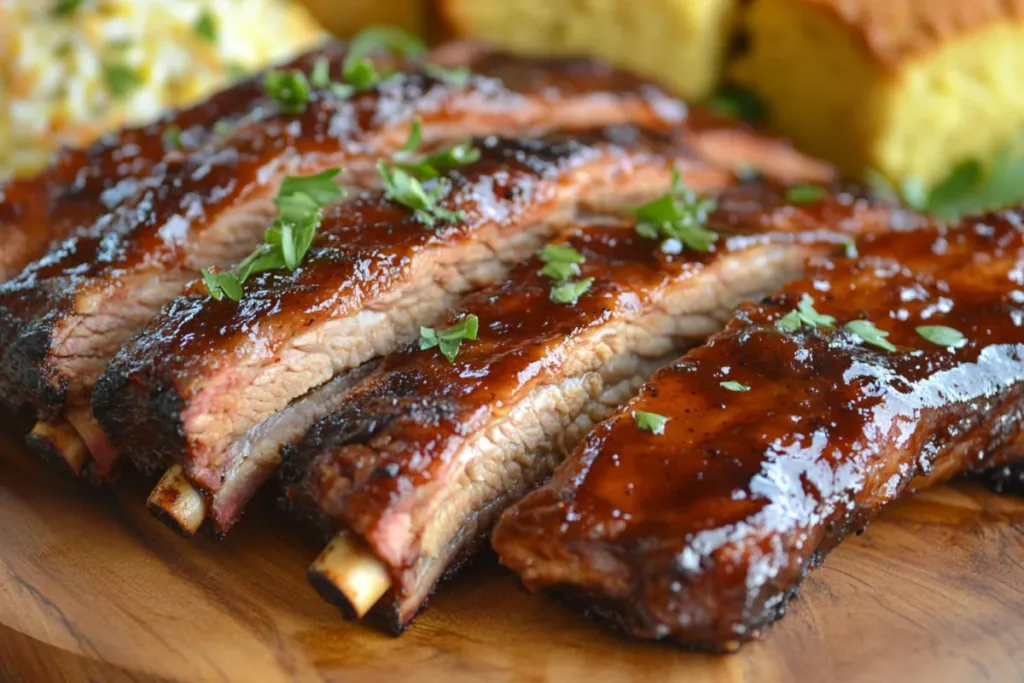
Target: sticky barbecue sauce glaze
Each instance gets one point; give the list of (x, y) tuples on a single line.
[(702, 533)]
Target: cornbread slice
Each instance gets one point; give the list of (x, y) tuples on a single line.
[(905, 87), (681, 43)]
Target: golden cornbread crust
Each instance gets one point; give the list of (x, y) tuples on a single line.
[(679, 43), (906, 88), (893, 31)]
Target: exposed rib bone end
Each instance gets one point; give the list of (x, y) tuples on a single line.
[(60, 445), (177, 503), (349, 576)]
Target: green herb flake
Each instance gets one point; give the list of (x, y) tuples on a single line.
[(457, 76), (735, 386), (359, 71), (67, 7), (805, 193), (320, 74), (650, 422), (289, 88), (223, 128), (804, 314), (677, 218), (449, 340), (737, 102), (432, 165), (299, 201), (562, 262), (402, 187), (570, 292), (121, 80), (940, 335), (171, 138), (206, 26), (869, 334)]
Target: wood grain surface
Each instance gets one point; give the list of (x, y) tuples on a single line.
[(93, 589)]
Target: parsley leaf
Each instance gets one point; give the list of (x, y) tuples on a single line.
[(677, 218), (940, 335), (66, 7), (206, 26), (804, 193), (650, 422), (400, 186), (804, 314), (739, 103), (458, 75), (433, 165), (320, 74), (299, 202), (358, 69), (449, 340), (289, 88), (570, 292), (121, 79), (562, 262), (869, 334), (735, 386), (171, 138)]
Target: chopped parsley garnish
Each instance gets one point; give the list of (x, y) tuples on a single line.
[(66, 7), (804, 193), (206, 26), (300, 203), (172, 138), (402, 187), (289, 88), (735, 386), (121, 79), (804, 314), (570, 292), (869, 334), (320, 74), (940, 335), (738, 102), (650, 422), (222, 127), (449, 340), (359, 71), (433, 165), (677, 218), (561, 262), (458, 75)]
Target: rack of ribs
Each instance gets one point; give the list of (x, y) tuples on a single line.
[(694, 513), (375, 275), (65, 315), (408, 475)]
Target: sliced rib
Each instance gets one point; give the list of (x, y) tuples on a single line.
[(701, 534), (374, 275), (424, 455), (62, 319), (81, 185)]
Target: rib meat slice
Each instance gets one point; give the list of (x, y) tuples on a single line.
[(702, 533), (424, 455), (373, 277), (81, 185), (67, 314)]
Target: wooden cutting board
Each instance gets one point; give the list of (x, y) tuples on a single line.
[(93, 589)]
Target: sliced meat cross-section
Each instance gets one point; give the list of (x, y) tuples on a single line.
[(423, 456), (878, 374)]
